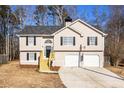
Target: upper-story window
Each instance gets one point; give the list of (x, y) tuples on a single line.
[(91, 40), (67, 40), (30, 41)]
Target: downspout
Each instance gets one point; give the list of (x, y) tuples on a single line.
[(80, 49)]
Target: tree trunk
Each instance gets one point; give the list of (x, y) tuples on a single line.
[(117, 62)]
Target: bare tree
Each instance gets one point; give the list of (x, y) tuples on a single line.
[(4, 21), (71, 11), (39, 14), (14, 21), (115, 28), (60, 12), (7, 22), (84, 15), (20, 14), (99, 17)]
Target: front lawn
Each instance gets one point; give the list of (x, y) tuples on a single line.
[(11, 75)]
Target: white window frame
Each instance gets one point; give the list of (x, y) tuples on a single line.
[(67, 40), (92, 40), (30, 41), (31, 56)]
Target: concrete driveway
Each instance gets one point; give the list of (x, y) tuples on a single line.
[(90, 78)]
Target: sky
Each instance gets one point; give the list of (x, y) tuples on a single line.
[(81, 9)]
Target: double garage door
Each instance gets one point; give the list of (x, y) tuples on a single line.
[(88, 61)]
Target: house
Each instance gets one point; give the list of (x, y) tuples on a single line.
[(75, 44)]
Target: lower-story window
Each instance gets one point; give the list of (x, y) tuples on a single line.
[(31, 56)]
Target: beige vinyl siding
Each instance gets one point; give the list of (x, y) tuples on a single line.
[(60, 57), (24, 61), (79, 40), (24, 47), (88, 32), (40, 42), (67, 33)]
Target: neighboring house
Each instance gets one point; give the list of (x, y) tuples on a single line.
[(76, 44)]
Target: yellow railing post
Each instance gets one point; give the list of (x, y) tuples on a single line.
[(51, 58)]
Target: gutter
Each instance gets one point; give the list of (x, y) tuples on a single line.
[(19, 35)]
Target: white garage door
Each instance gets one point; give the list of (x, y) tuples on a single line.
[(71, 60), (91, 60)]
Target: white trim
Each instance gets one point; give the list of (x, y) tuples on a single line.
[(19, 35), (68, 40), (65, 28), (30, 41), (76, 31)]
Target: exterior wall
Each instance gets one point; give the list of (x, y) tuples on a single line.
[(80, 40), (86, 31), (24, 61), (24, 47), (40, 45), (67, 32), (60, 57)]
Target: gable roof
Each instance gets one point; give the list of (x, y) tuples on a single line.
[(86, 24), (92, 27), (44, 30), (53, 30)]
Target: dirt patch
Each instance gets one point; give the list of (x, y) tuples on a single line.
[(118, 70), (12, 75)]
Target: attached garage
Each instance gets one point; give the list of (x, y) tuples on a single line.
[(91, 61), (71, 60)]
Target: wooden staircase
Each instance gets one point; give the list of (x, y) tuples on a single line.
[(46, 64)]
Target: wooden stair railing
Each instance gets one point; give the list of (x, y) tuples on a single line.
[(43, 63), (51, 58)]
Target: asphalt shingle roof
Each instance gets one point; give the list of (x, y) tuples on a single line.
[(47, 30)]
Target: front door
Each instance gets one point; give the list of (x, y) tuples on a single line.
[(48, 50)]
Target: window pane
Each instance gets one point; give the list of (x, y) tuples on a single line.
[(68, 40), (31, 40), (31, 56), (92, 40)]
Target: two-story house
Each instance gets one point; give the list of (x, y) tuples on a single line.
[(75, 44)]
